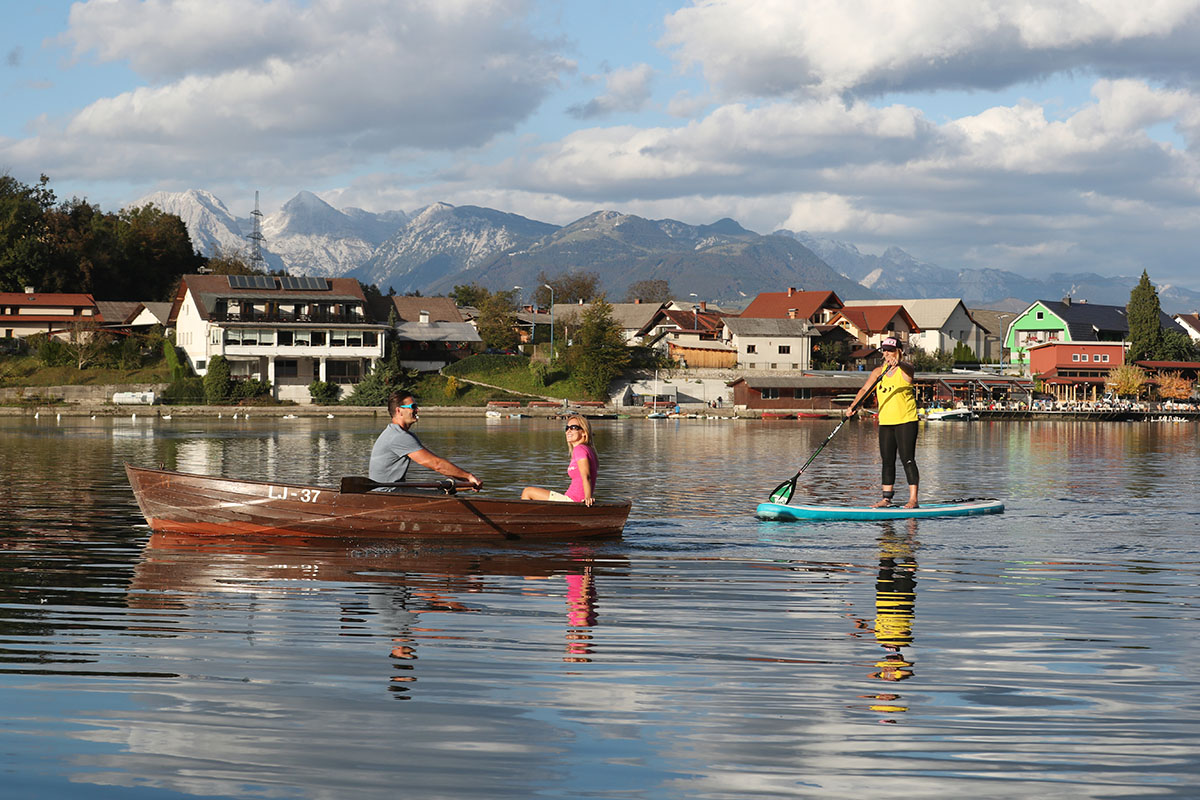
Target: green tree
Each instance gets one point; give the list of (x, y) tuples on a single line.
[(26, 250), (963, 354), (931, 362), (1177, 346), (218, 381), (470, 294), (498, 320), (324, 393), (599, 353), (1126, 380), (385, 378), (1145, 322), (648, 291)]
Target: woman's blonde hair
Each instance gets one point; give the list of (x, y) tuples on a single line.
[(583, 423)]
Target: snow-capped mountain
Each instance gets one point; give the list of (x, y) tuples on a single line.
[(442, 240), (312, 237), (212, 228)]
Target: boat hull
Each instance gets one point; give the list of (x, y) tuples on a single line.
[(958, 508), (178, 502)]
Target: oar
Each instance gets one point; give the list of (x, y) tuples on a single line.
[(783, 492), (355, 484)]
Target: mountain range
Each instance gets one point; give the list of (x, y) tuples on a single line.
[(437, 247)]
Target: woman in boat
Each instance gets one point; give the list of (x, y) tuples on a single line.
[(896, 397), (582, 469)]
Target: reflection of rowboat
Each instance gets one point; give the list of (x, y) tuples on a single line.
[(178, 502)]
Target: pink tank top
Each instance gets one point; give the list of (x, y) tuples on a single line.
[(575, 492)]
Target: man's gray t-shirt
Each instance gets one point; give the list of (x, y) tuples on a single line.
[(389, 456)]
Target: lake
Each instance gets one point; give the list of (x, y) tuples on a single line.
[(1050, 651)]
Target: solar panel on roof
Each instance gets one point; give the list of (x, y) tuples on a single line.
[(251, 282), (303, 282)]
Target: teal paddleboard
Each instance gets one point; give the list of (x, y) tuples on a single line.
[(954, 508)]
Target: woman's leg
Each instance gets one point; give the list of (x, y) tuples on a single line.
[(887, 454), (906, 444), (535, 493)]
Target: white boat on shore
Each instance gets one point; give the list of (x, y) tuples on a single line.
[(949, 414)]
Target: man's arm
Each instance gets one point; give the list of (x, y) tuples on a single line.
[(448, 468)]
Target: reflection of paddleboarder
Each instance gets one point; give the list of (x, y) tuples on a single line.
[(895, 609)]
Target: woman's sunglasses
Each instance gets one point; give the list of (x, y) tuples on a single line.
[(573, 428)]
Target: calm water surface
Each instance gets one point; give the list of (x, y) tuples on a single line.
[(1048, 652)]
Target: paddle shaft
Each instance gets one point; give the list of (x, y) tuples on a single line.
[(790, 484), (355, 484)]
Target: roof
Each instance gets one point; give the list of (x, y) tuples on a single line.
[(628, 316), (441, 309), (994, 322), (160, 311), (1189, 321), (875, 319), (701, 344), (207, 289), (1059, 343), (741, 326), (47, 299), (1189, 365), (708, 321), (437, 332), (1086, 321), (847, 380), (118, 312), (776, 305), (930, 314)]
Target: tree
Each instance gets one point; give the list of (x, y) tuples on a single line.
[(218, 381), (497, 321), (229, 262), (599, 353), (570, 287), (831, 354), (963, 354), (1127, 380), (1177, 346), (87, 343), (648, 291), (1173, 386), (1145, 322), (470, 294), (922, 361), (25, 247)]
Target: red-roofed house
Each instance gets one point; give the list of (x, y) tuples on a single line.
[(26, 313), (289, 330), (1191, 324), (818, 308), (870, 324)]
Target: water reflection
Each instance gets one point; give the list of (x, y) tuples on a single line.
[(406, 585)]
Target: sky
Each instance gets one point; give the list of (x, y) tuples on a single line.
[(1036, 137)]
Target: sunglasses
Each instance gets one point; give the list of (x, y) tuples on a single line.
[(409, 405), (573, 428)]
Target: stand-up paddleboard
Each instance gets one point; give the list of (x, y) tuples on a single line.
[(968, 507)]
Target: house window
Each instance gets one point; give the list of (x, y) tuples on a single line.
[(770, 394), (354, 339), (1074, 356), (286, 338), (216, 335), (1095, 357), (370, 339), (1106, 358), (287, 368), (1039, 315), (201, 364), (785, 349), (302, 338), (342, 371), (751, 348), (337, 339), (804, 394), (318, 338), (266, 337)]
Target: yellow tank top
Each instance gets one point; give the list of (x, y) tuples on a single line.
[(897, 398)]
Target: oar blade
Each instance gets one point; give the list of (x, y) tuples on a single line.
[(783, 492)]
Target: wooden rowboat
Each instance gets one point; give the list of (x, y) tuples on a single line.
[(180, 502)]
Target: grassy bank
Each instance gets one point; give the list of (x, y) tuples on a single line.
[(517, 374), (19, 371)]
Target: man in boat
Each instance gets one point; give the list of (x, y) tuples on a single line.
[(397, 446)]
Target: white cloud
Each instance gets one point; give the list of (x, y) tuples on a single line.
[(782, 47), (626, 89), (288, 86)]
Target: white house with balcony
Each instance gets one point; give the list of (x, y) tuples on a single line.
[(289, 330)]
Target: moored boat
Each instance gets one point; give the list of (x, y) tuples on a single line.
[(180, 502)]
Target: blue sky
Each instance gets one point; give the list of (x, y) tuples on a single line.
[(1031, 136)]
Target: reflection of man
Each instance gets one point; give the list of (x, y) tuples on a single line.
[(397, 446)]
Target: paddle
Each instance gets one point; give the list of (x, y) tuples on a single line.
[(355, 484), (783, 492)]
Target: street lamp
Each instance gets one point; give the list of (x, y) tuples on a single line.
[(551, 288)]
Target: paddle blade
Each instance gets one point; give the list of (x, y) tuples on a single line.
[(783, 492)]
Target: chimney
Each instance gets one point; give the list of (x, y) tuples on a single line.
[(791, 291), (424, 318), (1067, 300), (637, 301), (791, 313), (703, 305), (28, 290)]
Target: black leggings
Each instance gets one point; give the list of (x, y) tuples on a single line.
[(899, 439)]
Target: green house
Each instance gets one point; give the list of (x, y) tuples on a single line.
[(1068, 321)]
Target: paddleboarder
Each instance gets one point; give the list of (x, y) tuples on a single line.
[(397, 446), (582, 469), (896, 398)]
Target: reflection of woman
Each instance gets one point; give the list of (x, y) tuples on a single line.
[(897, 399), (582, 469)]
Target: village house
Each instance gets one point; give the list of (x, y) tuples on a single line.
[(57, 314), (995, 325), (816, 393), (632, 318), (288, 330), (1070, 321), (770, 344), (1075, 370), (870, 324), (1190, 323), (942, 323), (818, 307)]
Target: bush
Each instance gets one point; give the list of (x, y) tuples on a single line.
[(178, 366), (218, 382), (324, 393), (374, 389), (539, 371), (250, 389), (51, 352), (184, 391)]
